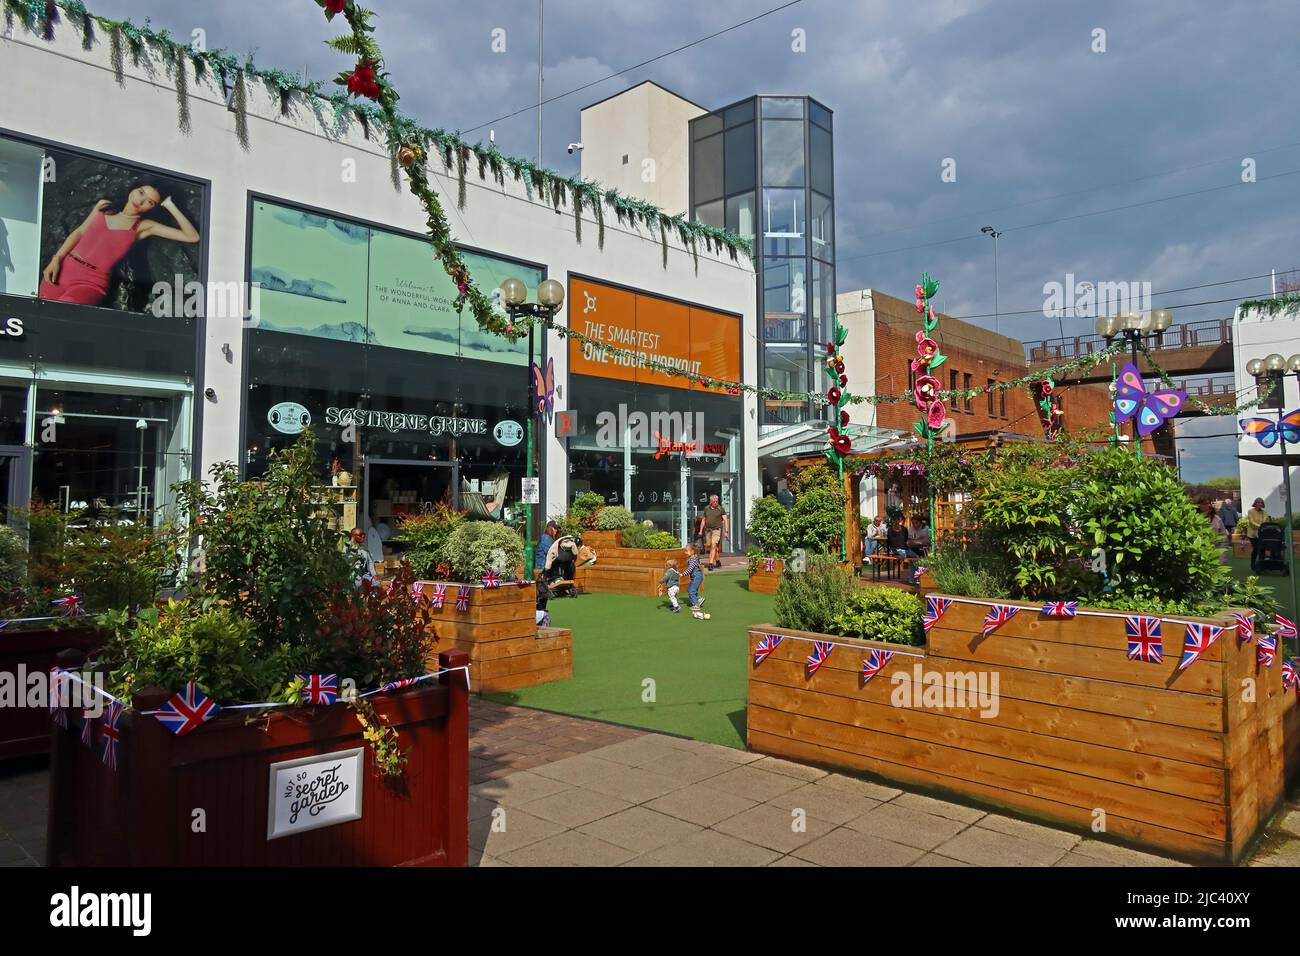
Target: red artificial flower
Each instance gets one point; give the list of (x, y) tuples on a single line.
[(926, 390), (926, 347), (1047, 388), (833, 396), (844, 419), (920, 299), (830, 348), (841, 443), (935, 414), (333, 7), (839, 366), (362, 81), (844, 380)]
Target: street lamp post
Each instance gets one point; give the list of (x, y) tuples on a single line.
[(994, 234), (550, 296), (1134, 326), (1274, 368)]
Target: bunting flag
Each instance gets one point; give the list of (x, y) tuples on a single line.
[(998, 615), (1144, 639), (1288, 674), (490, 580), (1245, 626), (1198, 639), (69, 605), (462, 599), (110, 733), (187, 710), (87, 729), (58, 680), (417, 592), (1267, 649), (769, 565), (319, 690), (394, 685), (438, 597), (1285, 627), (1061, 609), (934, 608), (821, 651), (873, 664), (764, 648)]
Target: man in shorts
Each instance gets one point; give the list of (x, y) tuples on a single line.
[(713, 525)]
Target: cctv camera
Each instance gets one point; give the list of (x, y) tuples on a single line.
[(573, 147), (210, 393)]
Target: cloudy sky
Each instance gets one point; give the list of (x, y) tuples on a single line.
[(1041, 128)]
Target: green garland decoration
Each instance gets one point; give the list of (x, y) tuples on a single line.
[(182, 96), (1272, 306), (239, 101), (838, 444)]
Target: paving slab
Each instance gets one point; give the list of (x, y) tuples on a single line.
[(1110, 854), (640, 829), (1029, 831), (982, 847), (570, 848), (707, 848), (576, 807), (511, 830), (701, 805), (774, 827), (942, 808), (863, 788), (845, 847), (754, 784), (518, 788), (900, 824), (825, 803)]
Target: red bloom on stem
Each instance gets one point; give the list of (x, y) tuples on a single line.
[(920, 299), (935, 414), (926, 347), (362, 81), (844, 419), (926, 390), (333, 7), (833, 396), (841, 443)]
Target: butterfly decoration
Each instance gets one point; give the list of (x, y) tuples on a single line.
[(544, 388), (1152, 409), (1266, 430)]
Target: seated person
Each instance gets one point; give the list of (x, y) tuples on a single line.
[(549, 534), (876, 537), (896, 538), (918, 538), (543, 595)]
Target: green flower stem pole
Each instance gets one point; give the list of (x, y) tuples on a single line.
[(528, 464), (1289, 551)]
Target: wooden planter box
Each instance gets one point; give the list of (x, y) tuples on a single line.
[(620, 570), (143, 813), (765, 582), (499, 633), (26, 730), (1177, 761)]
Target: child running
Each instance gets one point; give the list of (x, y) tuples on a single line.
[(672, 580), (694, 578)]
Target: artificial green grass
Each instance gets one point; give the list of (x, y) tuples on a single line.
[(1279, 584), (699, 669)]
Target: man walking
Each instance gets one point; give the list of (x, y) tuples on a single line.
[(1228, 515), (713, 525)]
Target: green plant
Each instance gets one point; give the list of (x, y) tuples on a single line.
[(613, 518), (817, 521), (476, 547), (13, 559), (769, 528), (966, 574), (374, 634), (814, 475), (390, 759), (584, 506), (662, 541), (810, 601), (122, 565), (880, 614), (639, 536), (425, 534)]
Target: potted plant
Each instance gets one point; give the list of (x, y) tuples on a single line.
[(769, 531)]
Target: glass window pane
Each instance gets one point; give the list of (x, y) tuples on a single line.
[(787, 106), (740, 215), (823, 178), (783, 153), (783, 222), (20, 218), (823, 300), (822, 228), (740, 158), (710, 213), (706, 126), (785, 368), (785, 297), (819, 114), (741, 113), (706, 167)]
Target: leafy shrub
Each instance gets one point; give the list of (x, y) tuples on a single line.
[(662, 541), (817, 521), (613, 518), (476, 547), (814, 476), (13, 559), (881, 614), (122, 566), (966, 574), (375, 633), (584, 506), (769, 528), (425, 534), (208, 643), (639, 536), (810, 601)]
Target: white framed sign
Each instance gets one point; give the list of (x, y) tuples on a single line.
[(313, 792), (532, 491)]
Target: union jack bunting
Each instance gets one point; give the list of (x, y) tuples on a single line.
[(1061, 609), (764, 648), (417, 592), (58, 681), (462, 599), (1144, 640), (821, 651), (110, 734), (69, 605), (187, 710), (873, 664), (1267, 649), (934, 608), (998, 615), (1285, 627), (438, 597), (319, 690), (394, 685), (491, 580), (1198, 639), (1288, 674), (1245, 626), (769, 565), (87, 729)]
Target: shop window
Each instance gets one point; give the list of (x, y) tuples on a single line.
[(990, 391), (968, 401)]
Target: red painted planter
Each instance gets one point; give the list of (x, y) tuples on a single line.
[(26, 730), (144, 812)]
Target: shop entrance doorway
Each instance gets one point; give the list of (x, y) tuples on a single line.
[(15, 479), (393, 488), (703, 484)]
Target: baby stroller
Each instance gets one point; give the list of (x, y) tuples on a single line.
[(1270, 554)]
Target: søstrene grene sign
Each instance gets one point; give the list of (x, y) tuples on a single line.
[(405, 422)]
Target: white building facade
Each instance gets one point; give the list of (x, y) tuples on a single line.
[(1259, 331), (344, 320)]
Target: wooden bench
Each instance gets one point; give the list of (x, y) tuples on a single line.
[(891, 564)]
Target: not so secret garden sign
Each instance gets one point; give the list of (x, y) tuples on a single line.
[(312, 792)]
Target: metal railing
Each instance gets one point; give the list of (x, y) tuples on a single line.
[(1211, 332)]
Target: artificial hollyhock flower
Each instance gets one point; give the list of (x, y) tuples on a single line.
[(926, 390), (841, 443), (844, 380), (839, 366), (362, 81), (333, 7), (830, 348), (935, 414), (920, 299), (833, 395), (926, 347), (844, 419)]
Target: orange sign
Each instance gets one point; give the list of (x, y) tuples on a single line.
[(654, 329)]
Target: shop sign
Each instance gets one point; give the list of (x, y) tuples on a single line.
[(405, 422), (288, 418), (691, 449), (313, 792), (508, 433)]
